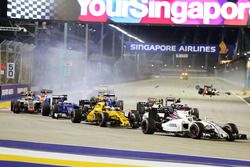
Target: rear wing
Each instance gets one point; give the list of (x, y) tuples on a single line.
[(172, 99), (46, 91), (59, 98), (87, 102), (155, 100)]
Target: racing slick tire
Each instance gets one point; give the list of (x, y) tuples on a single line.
[(37, 107), (45, 109), (86, 109), (195, 113), (103, 119), (148, 126), (54, 111), (200, 91), (230, 129), (76, 116), (140, 107), (134, 119), (120, 104), (85, 112), (17, 107), (196, 130), (12, 103)]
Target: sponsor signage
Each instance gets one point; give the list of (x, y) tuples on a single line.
[(202, 12), (181, 56), (168, 12), (180, 49), (8, 92)]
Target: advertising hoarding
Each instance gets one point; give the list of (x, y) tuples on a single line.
[(177, 48), (168, 12), (8, 92)]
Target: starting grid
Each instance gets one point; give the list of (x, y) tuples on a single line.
[(29, 154)]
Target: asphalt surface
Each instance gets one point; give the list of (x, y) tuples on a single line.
[(221, 109)]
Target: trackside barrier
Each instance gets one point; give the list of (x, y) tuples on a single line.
[(8, 92)]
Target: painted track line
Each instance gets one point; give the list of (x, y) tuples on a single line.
[(242, 99), (122, 154), (62, 159)]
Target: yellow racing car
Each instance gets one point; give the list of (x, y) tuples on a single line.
[(102, 114)]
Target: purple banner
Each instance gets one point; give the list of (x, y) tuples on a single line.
[(8, 92)]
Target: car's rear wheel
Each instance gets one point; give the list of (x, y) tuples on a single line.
[(76, 116), (45, 109), (140, 107), (201, 91), (134, 119), (196, 130), (37, 107), (148, 126), (12, 103), (17, 107), (120, 104), (195, 113), (54, 112)]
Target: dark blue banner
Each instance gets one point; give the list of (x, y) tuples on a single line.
[(178, 48), (8, 92)]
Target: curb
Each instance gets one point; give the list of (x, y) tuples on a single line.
[(245, 92), (122, 154), (4, 104)]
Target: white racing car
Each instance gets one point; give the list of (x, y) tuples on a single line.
[(187, 126), (27, 103), (171, 110)]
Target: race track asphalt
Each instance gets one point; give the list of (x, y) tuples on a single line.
[(221, 109)]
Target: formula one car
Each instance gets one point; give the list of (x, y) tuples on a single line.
[(163, 112), (142, 107), (195, 129), (59, 107), (207, 90), (106, 97), (27, 103), (101, 114), (45, 95), (184, 75)]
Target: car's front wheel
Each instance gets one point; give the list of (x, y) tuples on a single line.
[(17, 107), (103, 119), (231, 129)]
